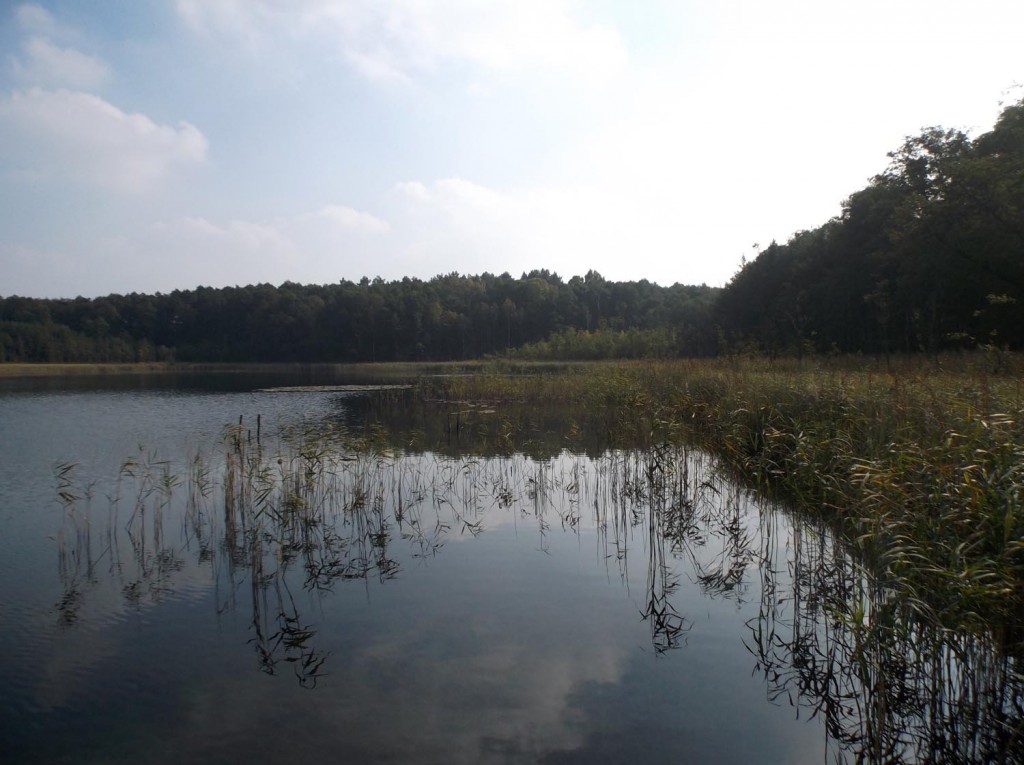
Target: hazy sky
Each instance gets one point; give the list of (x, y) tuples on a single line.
[(151, 145)]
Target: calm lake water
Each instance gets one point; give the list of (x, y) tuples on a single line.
[(379, 582)]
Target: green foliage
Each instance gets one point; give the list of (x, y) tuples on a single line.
[(910, 265), (450, 317), (581, 345), (928, 257)]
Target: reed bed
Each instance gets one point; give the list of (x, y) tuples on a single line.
[(315, 508), (920, 463)]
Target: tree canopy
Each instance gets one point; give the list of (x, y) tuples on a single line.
[(929, 255), (448, 317)]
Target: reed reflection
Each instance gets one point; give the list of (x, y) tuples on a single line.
[(834, 641), (261, 520)]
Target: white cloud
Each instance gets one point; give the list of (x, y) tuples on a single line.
[(237, 235), (398, 40), (458, 224), (413, 189), (64, 134), (193, 251), (34, 18), (347, 218), (314, 247), (308, 248), (48, 64)]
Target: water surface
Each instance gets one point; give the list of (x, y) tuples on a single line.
[(350, 588)]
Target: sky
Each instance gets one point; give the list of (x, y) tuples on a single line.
[(154, 145)]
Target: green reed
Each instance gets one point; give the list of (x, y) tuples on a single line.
[(316, 508), (922, 463)]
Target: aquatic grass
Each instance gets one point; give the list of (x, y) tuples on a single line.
[(315, 508), (74, 542), (890, 685), (921, 463)]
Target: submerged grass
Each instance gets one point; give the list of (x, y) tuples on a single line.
[(921, 463)]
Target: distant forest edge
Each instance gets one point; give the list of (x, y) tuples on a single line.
[(928, 257)]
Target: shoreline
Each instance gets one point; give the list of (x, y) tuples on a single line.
[(11, 370)]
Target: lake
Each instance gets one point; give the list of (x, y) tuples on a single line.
[(205, 569)]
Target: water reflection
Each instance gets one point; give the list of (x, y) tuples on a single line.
[(263, 520), (833, 641)]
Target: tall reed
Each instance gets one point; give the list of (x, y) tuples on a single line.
[(923, 466)]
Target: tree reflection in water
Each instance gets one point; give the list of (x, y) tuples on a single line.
[(316, 510)]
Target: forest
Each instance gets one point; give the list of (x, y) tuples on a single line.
[(929, 256)]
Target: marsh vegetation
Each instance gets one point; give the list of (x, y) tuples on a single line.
[(920, 467), (838, 623), (558, 561)]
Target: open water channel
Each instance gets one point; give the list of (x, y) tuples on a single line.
[(352, 581)]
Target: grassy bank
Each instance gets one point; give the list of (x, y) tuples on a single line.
[(921, 463)]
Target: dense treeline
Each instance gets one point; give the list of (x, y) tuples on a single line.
[(930, 255), (448, 317)]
